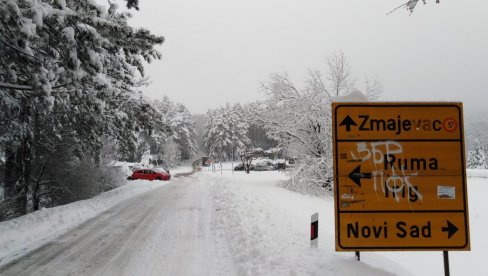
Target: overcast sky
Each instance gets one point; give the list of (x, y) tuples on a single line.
[(219, 51)]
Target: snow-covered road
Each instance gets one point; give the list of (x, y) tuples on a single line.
[(208, 224), (162, 232), (219, 223)]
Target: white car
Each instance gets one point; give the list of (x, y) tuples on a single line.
[(264, 165)]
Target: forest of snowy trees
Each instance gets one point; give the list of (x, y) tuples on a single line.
[(71, 82), (71, 76), (297, 119)]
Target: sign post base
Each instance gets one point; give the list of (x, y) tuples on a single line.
[(446, 263)]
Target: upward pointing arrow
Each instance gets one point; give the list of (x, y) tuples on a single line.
[(451, 229), (348, 122)]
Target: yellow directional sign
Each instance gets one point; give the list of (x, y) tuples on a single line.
[(400, 177)]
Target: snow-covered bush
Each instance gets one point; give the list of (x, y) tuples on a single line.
[(309, 177), (477, 158), (476, 128)]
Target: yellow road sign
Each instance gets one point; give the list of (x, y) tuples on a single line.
[(400, 177)]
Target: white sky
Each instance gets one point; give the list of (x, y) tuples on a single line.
[(219, 51)]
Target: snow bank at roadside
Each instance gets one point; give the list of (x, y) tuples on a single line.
[(24, 234), (181, 169), (267, 229), (480, 173), (266, 239)]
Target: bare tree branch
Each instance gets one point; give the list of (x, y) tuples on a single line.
[(19, 50), (26, 87)]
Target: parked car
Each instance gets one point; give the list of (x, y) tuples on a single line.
[(264, 166), (280, 164), (206, 161), (150, 174), (240, 167)]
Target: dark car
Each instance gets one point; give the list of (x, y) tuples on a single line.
[(150, 174), (240, 167), (280, 164)]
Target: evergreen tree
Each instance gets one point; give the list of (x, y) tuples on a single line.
[(226, 132), (178, 118), (69, 71), (184, 132)]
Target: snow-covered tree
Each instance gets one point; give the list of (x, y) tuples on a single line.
[(199, 120), (69, 71), (172, 154), (257, 131), (247, 155), (226, 132), (178, 118), (476, 127), (300, 119), (184, 133), (133, 4), (410, 5), (477, 158)]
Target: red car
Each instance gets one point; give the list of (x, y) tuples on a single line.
[(150, 174)]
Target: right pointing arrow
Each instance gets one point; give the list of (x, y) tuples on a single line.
[(451, 229)]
